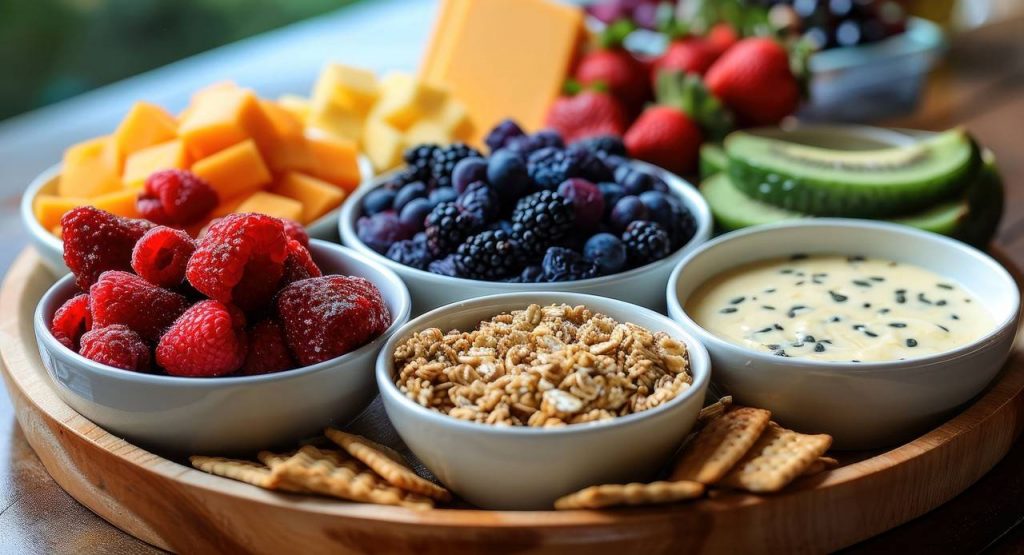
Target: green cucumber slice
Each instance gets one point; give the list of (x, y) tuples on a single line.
[(712, 160), (853, 183)]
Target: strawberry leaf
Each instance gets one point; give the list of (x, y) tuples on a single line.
[(688, 93), (614, 34), (571, 87)]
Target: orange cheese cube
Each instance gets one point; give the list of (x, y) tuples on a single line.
[(229, 206), (121, 203), (144, 126), (317, 197), (297, 105), (468, 52), (49, 209), (199, 95), (334, 160), (279, 136), (221, 118), (90, 169), (272, 205), (164, 156), (235, 170)]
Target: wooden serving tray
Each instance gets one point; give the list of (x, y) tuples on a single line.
[(180, 509)]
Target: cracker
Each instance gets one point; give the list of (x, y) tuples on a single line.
[(612, 495), (388, 463), (335, 474), (244, 471), (714, 410), (821, 464), (717, 447), (778, 457)]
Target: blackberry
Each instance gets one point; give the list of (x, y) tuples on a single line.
[(400, 178), (590, 165), (488, 255), (447, 228), (442, 164), (480, 201), (527, 144), (411, 252), (419, 159), (444, 266), (502, 133), (562, 264), (605, 144), (541, 219), (646, 242), (683, 226), (549, 167)]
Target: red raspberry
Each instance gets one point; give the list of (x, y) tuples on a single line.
[(268, 351), (176, 197), (240, 260), (299, 265), (294, 230), (208, 340), (123, 298), (326, 317), (116, 346), (71, 320), (162, 255), (96, 241)]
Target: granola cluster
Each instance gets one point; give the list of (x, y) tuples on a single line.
[(542, 366)]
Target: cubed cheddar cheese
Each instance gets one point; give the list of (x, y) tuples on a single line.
[(90, 169), (279, 136), (164, 156), (222, 118), (49, 209), (145, 125), (336, 120), (383, 144), (235, 170), (272, 205), (334, 160), (297, 105), (208, 90), (121, 203), (351, 88), (405, 99), (317, 197), (229, 206)]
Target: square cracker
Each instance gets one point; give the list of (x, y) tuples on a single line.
[(722, 442), (244, 471), (611, 495), (778, 457), (335, 474), (387, 463), (820, 465)]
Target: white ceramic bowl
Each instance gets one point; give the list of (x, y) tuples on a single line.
[(642, 286), (528, 468), (869, 404), (51, 249), (223, 415)]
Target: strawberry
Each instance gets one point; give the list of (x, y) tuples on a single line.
[(721, 37), (619, 71), (586, 114), (689, 55), (665, 136), (754, 80)]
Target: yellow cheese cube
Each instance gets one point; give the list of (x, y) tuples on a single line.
[(454, 119), (90, 169), (235, 170), (405, 99), (121, 203), (272, 205), (351, 88), (317, 197), (144, 126), (383, 144), (164, 156), (336, 120), (426, 131), (297, 105), (50, 208)]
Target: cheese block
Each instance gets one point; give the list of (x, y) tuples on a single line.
[(121, 203), (221, 118), (90, 169), (297, 105), (145, 125), (334, 160), (272, 205), (49, 209), (405, 99), (164, 156), (351, 88), (234, 171), (317, 197), (503, 58), (383, 144)]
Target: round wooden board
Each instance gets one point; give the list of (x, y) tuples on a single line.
[(176, 508)]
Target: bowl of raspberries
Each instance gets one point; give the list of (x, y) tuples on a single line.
[(532, 213), (248, 336)]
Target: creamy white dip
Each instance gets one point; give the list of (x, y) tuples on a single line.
[(839, 308)]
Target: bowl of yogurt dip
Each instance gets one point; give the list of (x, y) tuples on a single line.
[(869, 331)]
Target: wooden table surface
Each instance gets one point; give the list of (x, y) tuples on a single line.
[(980, 86)]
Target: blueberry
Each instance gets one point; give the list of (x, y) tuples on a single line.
[(611, 192), (562, 264), (658, 207), (381, 230), (442, 194), (607, 251), (506, 171), (632, 180), (414, 212), (444, 266), (502, 133), (530, 274), (629, 209), (378, 200), (413, 190), (467, 171), (614, 161), (587, 201)]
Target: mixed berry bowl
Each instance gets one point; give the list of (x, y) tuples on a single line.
[(534, 215)]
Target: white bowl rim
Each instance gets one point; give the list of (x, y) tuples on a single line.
[(682, 187), (404, 306), (697, 355), (847, 224)]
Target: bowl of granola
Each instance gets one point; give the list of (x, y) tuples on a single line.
[(541, 394)]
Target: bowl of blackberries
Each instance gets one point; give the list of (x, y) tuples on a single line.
[(529, 212)]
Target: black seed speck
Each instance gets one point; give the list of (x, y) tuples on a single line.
[(809, 338), (737, 300), (884, 311), (877, 278), (773, 347), (858, 327), (923, 299), (768, 307), (839, 298), (799, 283), (829, 341), (796, 344), (855, 259), (786, 271), (867, 305), (897, 325), (819, 348), (941, 302), (968, 301), (943, 328), (727, 310), (861, 283), (792, 311), (911, 343), (771, 290), (854, 360), (780, 353), (834, 319), (944, 286), (870, 333), (954, 316), (778, 327), (764, 330)]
